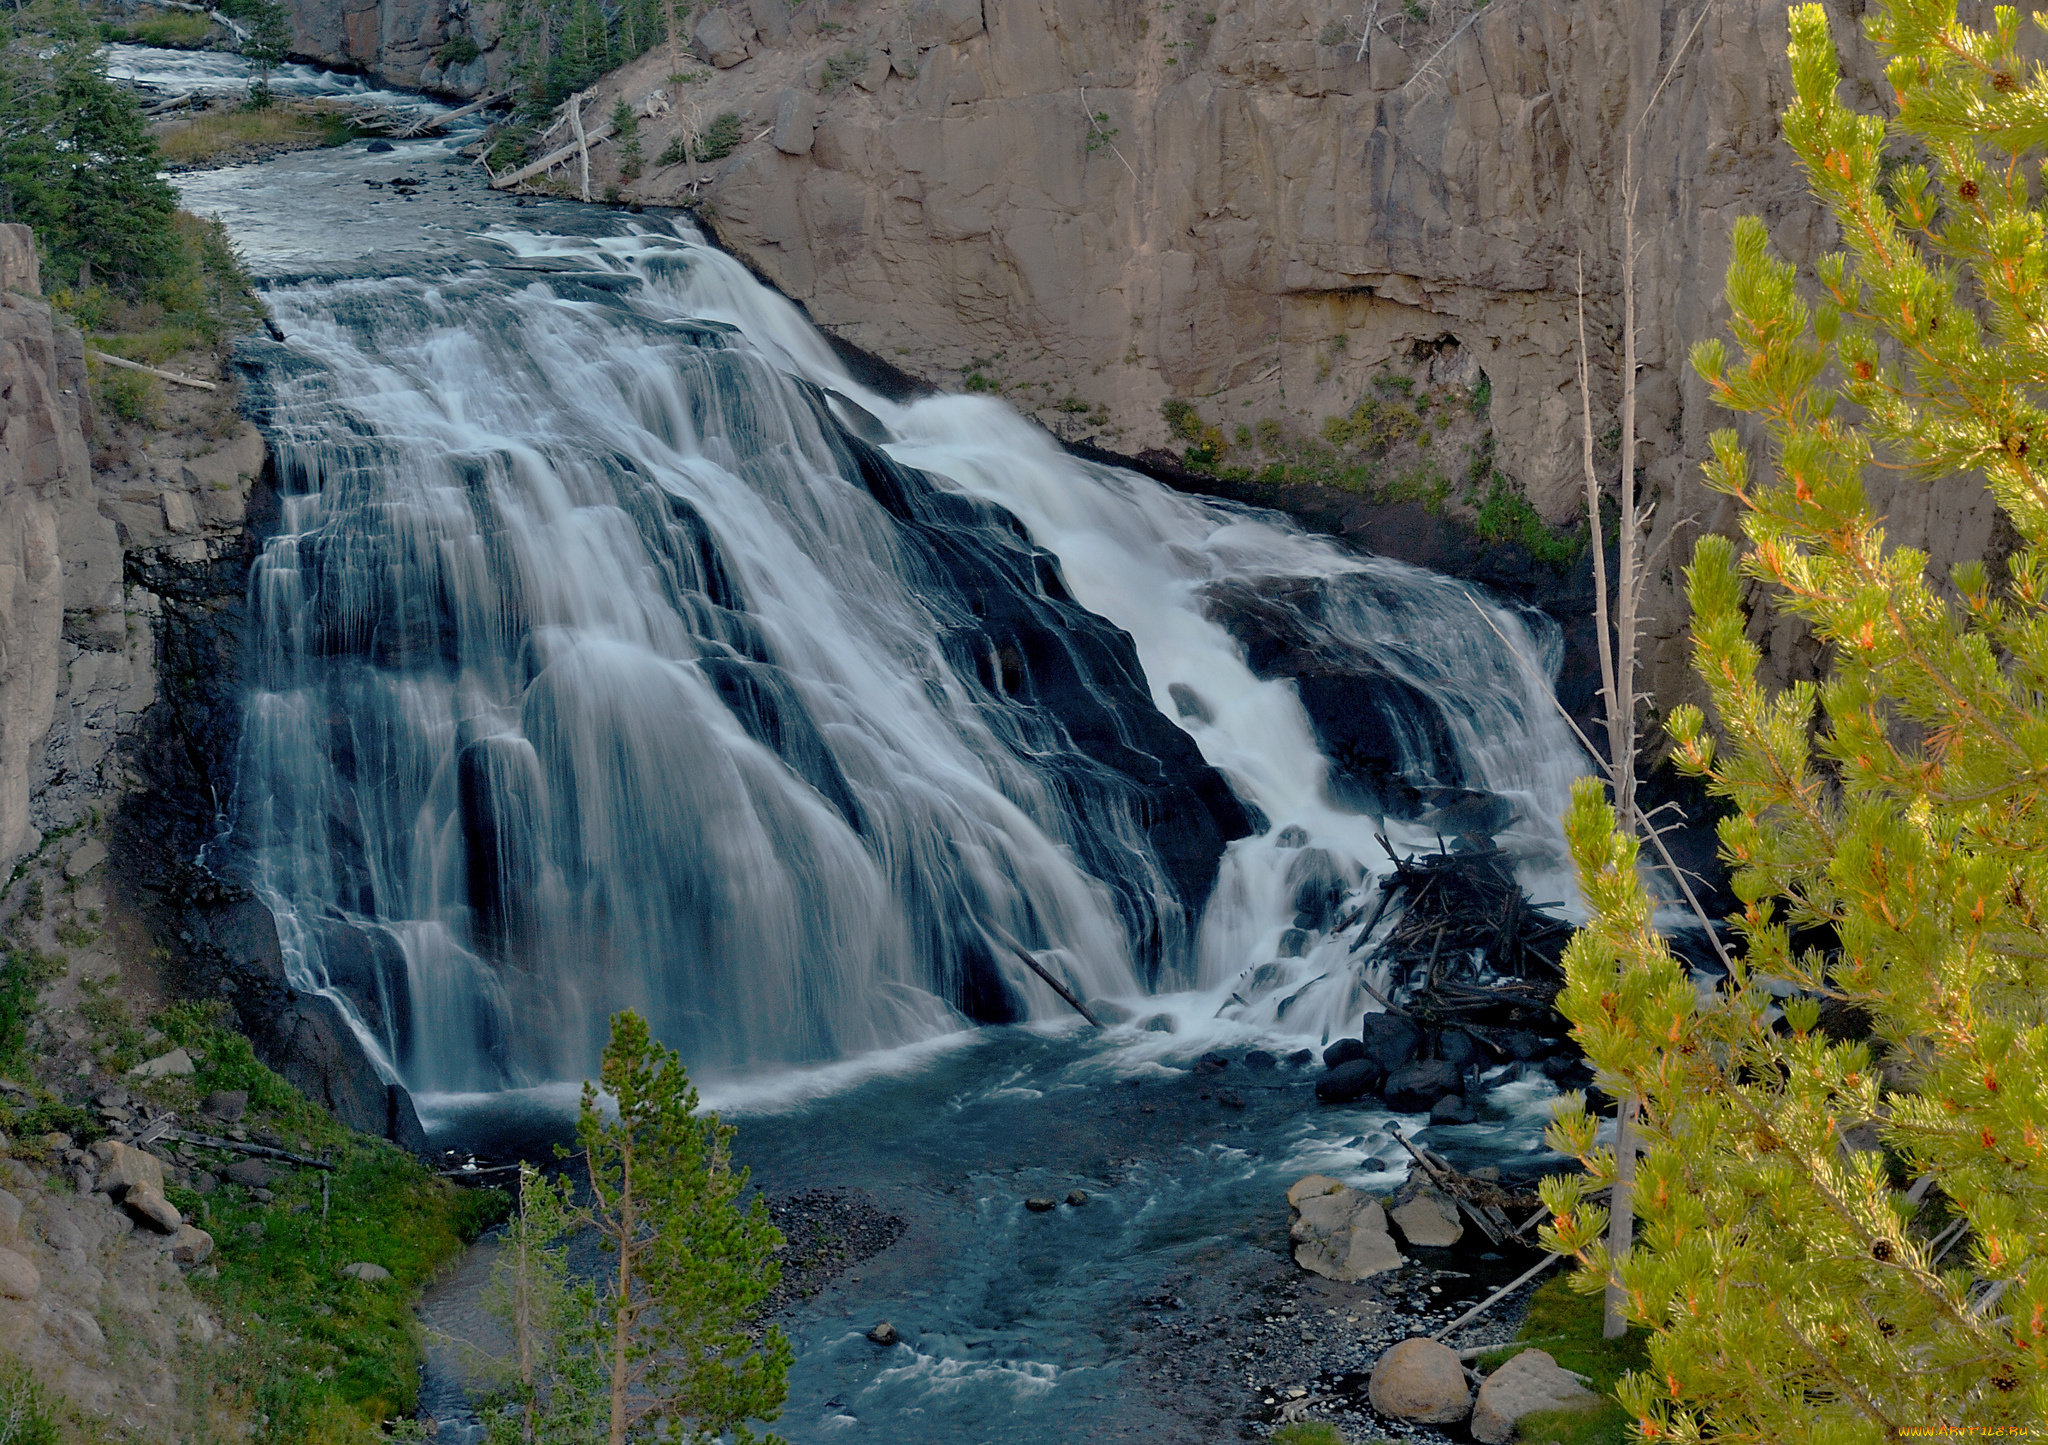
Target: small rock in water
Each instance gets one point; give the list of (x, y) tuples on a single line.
[(1077, 1197), (1291, 836), (379, 147), (1259, 1061), (1301, 1056), (1348, 1081), (883, 1333), (1211, 1063), (1451, 1110), (1230, 1099), (1040, 1206), (1344, 1051), (1160, 1024)]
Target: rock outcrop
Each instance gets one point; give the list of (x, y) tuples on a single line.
[(447, 46), (1339, 1232), (1095, 207)]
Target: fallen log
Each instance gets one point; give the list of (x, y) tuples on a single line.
[(552, 158), (1040, 969), (1498, 1295), (127, 365), (435, 122), (263, 1151)]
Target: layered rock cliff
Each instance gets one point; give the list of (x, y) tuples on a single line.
[(1099, 206)]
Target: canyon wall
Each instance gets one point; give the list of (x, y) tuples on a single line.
[(1098, 206)]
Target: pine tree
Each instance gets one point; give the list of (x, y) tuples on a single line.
[(667, 1348), (1846, 1146)]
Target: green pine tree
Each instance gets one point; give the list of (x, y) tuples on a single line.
[(667, 1347), (1844, 1191)]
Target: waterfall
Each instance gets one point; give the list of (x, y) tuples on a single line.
[(617, 648)]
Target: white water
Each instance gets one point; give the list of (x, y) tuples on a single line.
[(493, 786)]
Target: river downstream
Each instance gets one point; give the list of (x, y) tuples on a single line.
[(474, 405)]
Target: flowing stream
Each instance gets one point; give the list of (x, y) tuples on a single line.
[(618, 647)]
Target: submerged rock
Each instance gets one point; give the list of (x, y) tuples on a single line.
[(883, 1334), (1348, 1081), (1041, 1205), (1451, 1109)]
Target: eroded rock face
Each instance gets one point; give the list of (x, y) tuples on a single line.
[(1099, 206)]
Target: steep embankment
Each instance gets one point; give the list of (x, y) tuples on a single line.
[(1099, 207)]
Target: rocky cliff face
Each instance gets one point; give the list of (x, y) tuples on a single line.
[(403, 42), (1097, 206)]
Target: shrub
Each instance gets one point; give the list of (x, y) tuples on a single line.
[(844, 67), (457, 50), (720, 138)]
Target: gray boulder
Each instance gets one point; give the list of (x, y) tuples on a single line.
[(19, 1278), (366, 1272), (721, 38), (796, 117), (1427, 1218), (1339, 1232), (1420, 1381), (1529, 1382)]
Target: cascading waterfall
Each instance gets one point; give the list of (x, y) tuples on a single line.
[(618, 649)]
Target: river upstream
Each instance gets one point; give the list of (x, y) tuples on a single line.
[(619, 647)]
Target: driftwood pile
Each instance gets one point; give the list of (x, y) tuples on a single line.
[(1467, 945)]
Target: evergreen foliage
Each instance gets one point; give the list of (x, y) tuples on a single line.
[(560, 47), (667, 1348), (1884, 1025), (77, 163)]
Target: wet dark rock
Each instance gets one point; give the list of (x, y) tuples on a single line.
[(1230, 1100), (1345, 1051), (1188, 703), (1451, 1109), (1041, 1205), (1348, 1081), (1161, 1024), (1212, 1063), (883, 1334), (1568, 1073), (1259, 1061), (1390, 1040), (380, 147), (1416, 1088), (1301, 1058), (1319, 879), (1522, 1044), (1077, 1197), (1294, 942), (1291, 836), (1457, 1048)]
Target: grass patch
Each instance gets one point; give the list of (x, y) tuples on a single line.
[(458, 51), (324, 1360), (23, 972), (173, 30), (221, 132), (1506, 516), (1566, 1325), (1307, 1432)]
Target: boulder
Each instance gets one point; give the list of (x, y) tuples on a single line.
[(796, 117), (1451, 1109), (226, 1105), (1339, 1232), (191, 1245), (1458, 1048), (1421, 1381), (366, 1272), (1416, 1087), (249, 1173), (1161, 1024), (1259, 1061), (942, 22), (1524, 1045), (1301, 1058), (1291, 836), (1427, 1218), (10, 1214), (123, 1167), (1041, 1205), (1310, 1185), (1347, 1082), (1346, 1051), (86, 858), (176, 1062), (1211, 1063), (883, 1334), (1530, 1381), (1389, 1040), (721, 38), (18, 1277), (151, 1208)]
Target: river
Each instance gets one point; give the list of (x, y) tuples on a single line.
[(619, 647)]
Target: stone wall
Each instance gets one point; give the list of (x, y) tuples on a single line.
[(1097, 205)]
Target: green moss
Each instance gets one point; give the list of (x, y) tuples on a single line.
[(23, 972), (1506, 516), (1181, 418), (1307, 1432)]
